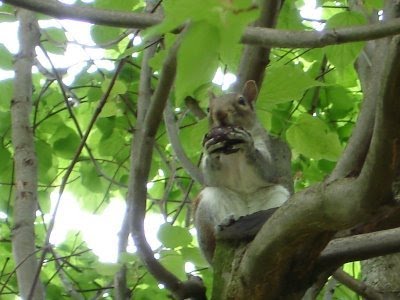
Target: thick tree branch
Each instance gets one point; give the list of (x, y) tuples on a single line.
[(353, 157), (360, 247), (315, 39), (141, 155), (265, 37), (25, 161), (255, 59), (369, 67), (274, 250), (120, 281), (383, 157), (88, 14)]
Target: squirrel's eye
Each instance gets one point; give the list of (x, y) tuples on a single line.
[(242, 100), (208, 109)]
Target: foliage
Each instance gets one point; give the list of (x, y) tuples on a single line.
[(310, 98)]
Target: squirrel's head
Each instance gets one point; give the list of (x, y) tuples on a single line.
[(234, 109)]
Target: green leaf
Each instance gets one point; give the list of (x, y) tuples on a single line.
[(110, 109), (374, 4), (89, 177), (7, 92), (45, 160), (118, 88), (231, 28), (192, 136), (6, 58), (94, 94), (344, 54), (174, 236), (111, 145), (106, 126), (5, 123), (157, 189), (289, 16), (67, 145), (178, 11), (6, 159), (344, 76), (193, 255), (340, 100), (55, 40), (44, 200), (311, 137), (197, 59), (284, 83), (174, 262), (104, 34)]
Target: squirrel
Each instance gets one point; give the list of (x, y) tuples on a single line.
[(242, 166)]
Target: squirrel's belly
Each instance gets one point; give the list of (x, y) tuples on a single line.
[(237, 174)]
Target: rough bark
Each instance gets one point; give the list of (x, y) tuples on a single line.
[(382, 273), (25, 161)]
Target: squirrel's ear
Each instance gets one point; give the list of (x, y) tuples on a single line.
[(250, 90)]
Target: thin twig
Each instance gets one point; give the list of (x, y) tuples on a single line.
[(357, 286)]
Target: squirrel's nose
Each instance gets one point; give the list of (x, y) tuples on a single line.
[(222, 118)]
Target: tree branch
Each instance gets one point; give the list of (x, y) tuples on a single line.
[(141, 155), (360, 247), (172, 131), (194, 108), (284, 241), (68, 285), (120, 282), (25, 206), (382, 160), (369, 68), (353, 157), (315, 39), (88, 14), (265, 37), (121, 291), (255, 59), (357, 286)]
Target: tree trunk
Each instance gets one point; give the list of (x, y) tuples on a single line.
[(25, 161)]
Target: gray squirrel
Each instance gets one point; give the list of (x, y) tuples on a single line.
[(245, 170)]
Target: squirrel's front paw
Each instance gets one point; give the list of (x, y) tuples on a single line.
[(217, 141), (240, 138)]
